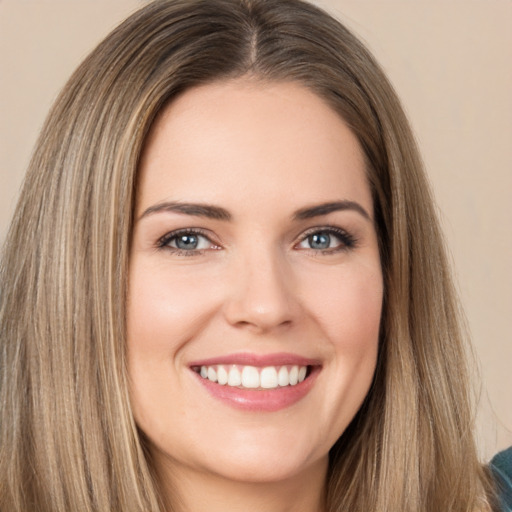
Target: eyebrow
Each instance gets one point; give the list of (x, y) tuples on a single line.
[(195, 209), (219, 213), (326, 208)]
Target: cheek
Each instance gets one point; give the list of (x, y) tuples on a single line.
[(164, 308), (352, 324), (163, 313), (347, 310), (348, 307)]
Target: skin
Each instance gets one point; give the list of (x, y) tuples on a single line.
[(261, 151)]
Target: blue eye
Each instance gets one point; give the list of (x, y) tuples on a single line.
[(186, 241), (327, 240), (319, 241)]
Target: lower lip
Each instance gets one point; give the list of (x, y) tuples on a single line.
[(259, 400)]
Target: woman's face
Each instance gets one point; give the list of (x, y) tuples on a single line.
[(255, 283)]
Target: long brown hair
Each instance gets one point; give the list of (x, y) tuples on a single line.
[(68, 440)]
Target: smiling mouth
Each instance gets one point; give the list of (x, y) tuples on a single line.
[(253, 377)]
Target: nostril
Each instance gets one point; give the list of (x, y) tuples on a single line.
[(262, 325)]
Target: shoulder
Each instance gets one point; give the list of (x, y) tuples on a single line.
[(501, 467)]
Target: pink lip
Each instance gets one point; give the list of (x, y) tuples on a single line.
[(268, 400), (258, 360)]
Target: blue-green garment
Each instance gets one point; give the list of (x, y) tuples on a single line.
[(501, 466)]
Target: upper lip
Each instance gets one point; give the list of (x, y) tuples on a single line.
[(260, 360)]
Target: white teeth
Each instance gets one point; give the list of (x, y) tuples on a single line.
[(268, 377), (222, 375), (283, 377), (294, 375), (212, 374), (251, 377), (234, 377)]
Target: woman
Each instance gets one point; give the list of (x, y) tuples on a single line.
[(179, 331)]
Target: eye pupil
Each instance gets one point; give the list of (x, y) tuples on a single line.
[(187, 242), (320, 241)]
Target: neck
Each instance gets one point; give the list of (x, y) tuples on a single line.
[(191, 491)]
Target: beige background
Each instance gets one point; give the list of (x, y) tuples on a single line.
[(450, 62)]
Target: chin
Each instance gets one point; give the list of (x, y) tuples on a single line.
[(264, 469), (266, 455)]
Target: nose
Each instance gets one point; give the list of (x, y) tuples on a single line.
[(262, 294)]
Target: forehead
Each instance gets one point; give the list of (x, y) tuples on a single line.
[(243, 141)]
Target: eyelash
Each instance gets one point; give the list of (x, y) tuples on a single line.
[(347, 241), (163, 242)]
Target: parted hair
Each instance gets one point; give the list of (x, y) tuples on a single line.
[(68, 440)]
